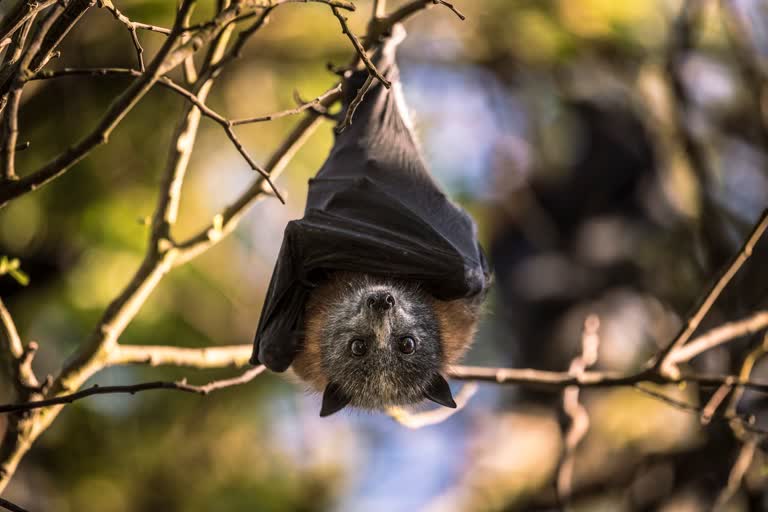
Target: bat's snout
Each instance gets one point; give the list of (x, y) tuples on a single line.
[(380, 301)]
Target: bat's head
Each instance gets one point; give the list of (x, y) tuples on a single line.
[(378, 343)]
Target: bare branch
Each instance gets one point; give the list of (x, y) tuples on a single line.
[(382, 25), (131, 389), (132, 29), (409, 9), (10, 132), (359, 48), (451, 7), (714, 402), (747, 365), (577, 413), (738, 471), (166, 59), (60, 27), (11, 506), (333, 91), (356, 101), (662, 360), (184, 137), (8, 67), (8, 334), (747, 423), (433, 417), (208, 357), (24, 11), (226, 221), (256, 167), (189, 69), (718, 336)]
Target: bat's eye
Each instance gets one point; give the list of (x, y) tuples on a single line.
[(406, 345), (358, 348)]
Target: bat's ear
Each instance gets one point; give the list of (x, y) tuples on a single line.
[(334, 400), (439, 392)]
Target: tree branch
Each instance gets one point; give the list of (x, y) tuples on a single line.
[(356, 101), (11, 506), (361, 51), (166, 59), (209, 357), (24, 11), (718, 336), (131, 389), (662, 362), (419, 420), (577, 413)]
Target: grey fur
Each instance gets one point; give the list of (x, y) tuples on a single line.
[(384, 376)]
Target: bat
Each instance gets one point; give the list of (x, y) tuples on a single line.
[(379, 286)]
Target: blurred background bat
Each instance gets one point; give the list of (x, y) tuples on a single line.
[(379, 286)]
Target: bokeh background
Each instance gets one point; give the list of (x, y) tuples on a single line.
[(612, 161)]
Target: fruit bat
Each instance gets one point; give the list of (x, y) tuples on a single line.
[(379, 286)]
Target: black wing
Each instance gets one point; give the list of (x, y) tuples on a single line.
[(372, 208)]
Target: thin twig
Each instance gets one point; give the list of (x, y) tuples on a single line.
[(60, 27), (24, 11), (714, 402), (746, 422), (9, 335), (166, 59), (188, 68), (356, 101), (662, 360), (576, 412), (225, 123), (225, 222), (738, 471), (132, 29), (747, 365), (290, 112), (434, 416), (359, 48), (131, 389), (719, 335), (11, 506), (452, 8)]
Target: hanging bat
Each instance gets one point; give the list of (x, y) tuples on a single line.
[(379, 286)]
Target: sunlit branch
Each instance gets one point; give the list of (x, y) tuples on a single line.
[(207, 357), (416, 420)]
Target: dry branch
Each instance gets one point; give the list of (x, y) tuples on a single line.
[(208, 357), (662, 361), (576, 412), (356, 101), (434, 416), (11, 506), (166, 59), (361, 51), (131, 389), (24, 11)]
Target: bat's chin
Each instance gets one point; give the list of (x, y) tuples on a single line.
[(383, 391)]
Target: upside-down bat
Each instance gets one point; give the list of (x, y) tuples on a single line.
[(379, 286)]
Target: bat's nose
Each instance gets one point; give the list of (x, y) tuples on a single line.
[(380, 301)]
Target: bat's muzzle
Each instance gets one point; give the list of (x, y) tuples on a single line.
[(380, 301)]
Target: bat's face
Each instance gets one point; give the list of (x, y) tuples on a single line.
[(380, 345)]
